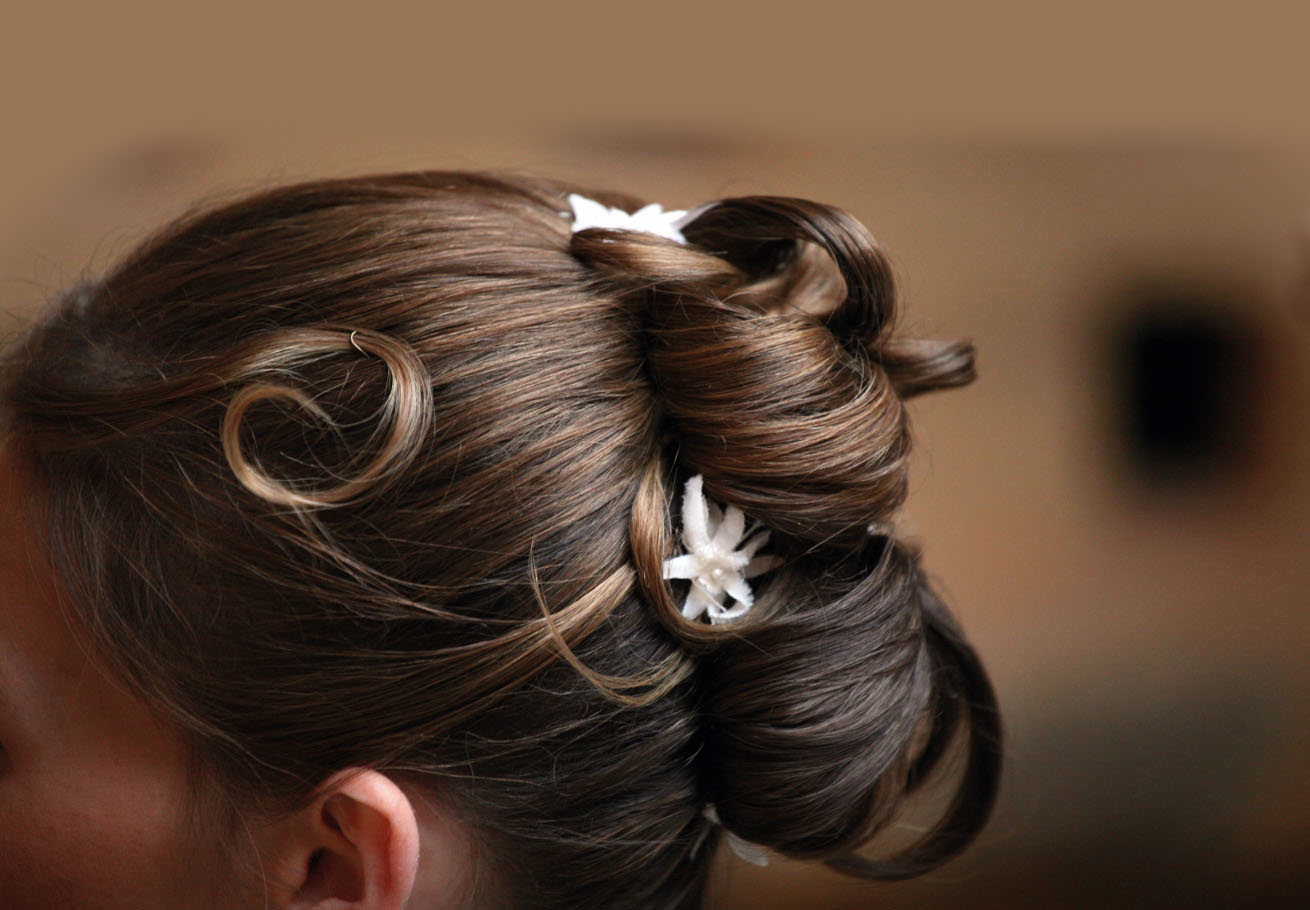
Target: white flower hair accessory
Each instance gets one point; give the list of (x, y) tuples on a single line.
[(713, 562), (588, 213)]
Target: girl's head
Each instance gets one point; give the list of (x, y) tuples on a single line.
[(356, 495)]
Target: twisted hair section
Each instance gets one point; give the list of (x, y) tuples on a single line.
[(778, 370)]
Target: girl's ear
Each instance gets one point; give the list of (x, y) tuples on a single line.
[(356, 847)]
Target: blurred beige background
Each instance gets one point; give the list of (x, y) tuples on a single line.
[(1046, 182)]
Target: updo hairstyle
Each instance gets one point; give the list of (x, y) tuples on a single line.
[(381, 472)]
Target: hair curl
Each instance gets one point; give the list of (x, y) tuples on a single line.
[(387, 465)]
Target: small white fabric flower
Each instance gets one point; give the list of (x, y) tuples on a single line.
[(713, 562), (588, 213)]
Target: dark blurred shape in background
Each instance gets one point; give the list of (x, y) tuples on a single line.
[(1188, 367)]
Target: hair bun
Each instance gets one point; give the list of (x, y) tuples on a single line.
[(819, 724)]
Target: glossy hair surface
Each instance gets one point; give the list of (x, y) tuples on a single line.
[(381, 472)]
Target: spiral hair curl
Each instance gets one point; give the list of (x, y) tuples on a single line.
[(387, 465)]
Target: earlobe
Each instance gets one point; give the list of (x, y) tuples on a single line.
[(356, 846)]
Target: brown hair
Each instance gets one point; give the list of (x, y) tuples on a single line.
[(382, 472)]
